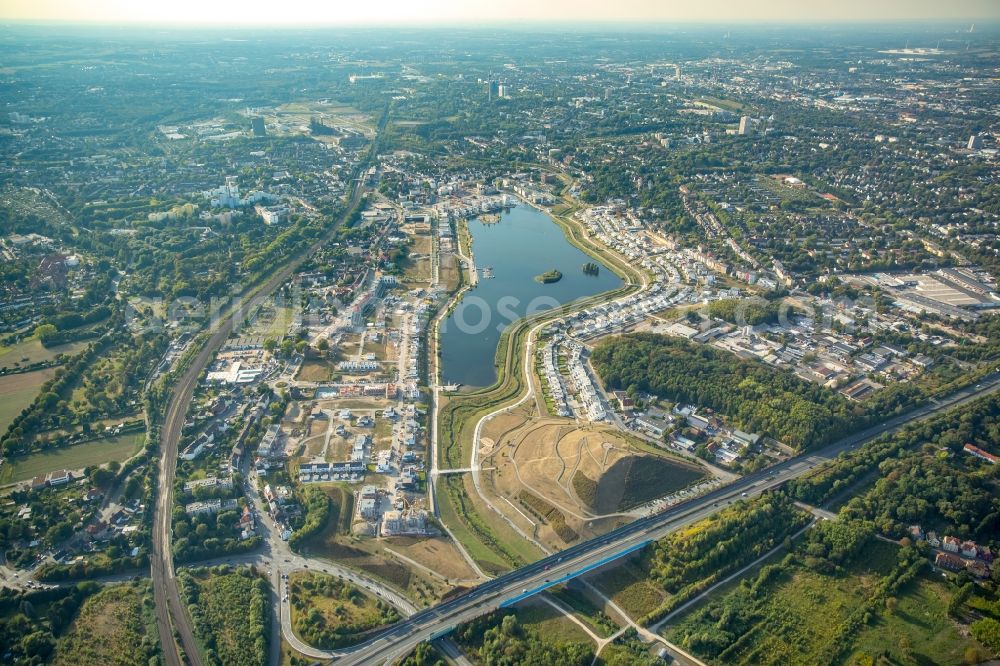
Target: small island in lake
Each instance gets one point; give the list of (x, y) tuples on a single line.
[(549, 276), (590, 268)]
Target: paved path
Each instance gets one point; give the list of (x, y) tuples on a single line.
[(171, 615), (715, 586), (571, 562)]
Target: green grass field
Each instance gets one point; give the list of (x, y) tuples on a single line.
[(918, 630), (32, 351), (628, 586), (550, 623), (18, 391), (72, 457), (272, 323)]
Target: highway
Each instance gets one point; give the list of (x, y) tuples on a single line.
[(396, 640), (166, 595)]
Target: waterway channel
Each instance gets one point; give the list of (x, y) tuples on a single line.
[(524, 244)]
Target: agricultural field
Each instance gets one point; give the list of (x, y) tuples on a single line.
[(19, 391), (97, 452), (115, 626), (330, 613), (230, 608)]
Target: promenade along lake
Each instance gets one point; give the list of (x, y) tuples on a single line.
[(524, 244)]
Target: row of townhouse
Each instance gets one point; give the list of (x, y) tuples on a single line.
[(553, 379), (586, 387)]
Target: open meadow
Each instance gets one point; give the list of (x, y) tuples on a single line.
[(18, 391), (97, 452)]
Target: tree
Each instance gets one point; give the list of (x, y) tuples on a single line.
[(59, 533), (37, 645), (45, 331)]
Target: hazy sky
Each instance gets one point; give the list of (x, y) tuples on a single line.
[(465, 11)]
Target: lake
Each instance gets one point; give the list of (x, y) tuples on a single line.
[(524, 244)]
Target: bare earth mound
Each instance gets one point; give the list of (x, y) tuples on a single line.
[(632, 481)]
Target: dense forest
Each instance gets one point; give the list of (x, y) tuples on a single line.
[(922, 476), (756, 397)]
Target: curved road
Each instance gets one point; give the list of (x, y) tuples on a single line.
[(432, 623), (166, 595)]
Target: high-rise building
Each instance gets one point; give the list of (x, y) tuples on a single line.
[(975, 142), (257, 126), (744, 125)]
